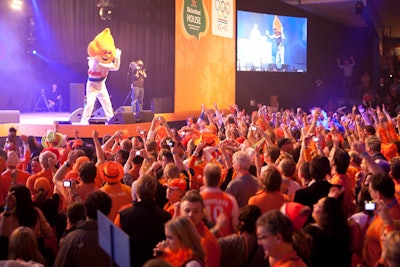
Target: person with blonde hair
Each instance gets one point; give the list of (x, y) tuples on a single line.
[(23, 248), (182, 246)]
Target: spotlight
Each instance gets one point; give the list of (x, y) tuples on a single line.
[(16, 4), (106, 9), (34, 51)]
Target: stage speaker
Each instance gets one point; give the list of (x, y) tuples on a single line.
[(99, 113), (145, 116), (163, 105), (76, 116), (9, 116), (123, 118), (121, 109), (76, 96)]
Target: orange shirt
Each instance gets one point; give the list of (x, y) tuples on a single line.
[(210, 246), (6, 180), (349, 198), (216, 202), (268, 200), (289, 260), (352, 173), (372, 245), (120, 195), (117, 220)]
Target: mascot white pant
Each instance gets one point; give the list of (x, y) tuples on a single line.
[(97, 90)]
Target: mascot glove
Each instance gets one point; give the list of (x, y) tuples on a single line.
[(118, 53)]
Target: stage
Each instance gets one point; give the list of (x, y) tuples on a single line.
[(37, 123)]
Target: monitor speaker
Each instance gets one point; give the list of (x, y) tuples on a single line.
[(145, 116), (99, 113), (123, 118), (9, 116), (124, 109), (76, 115)]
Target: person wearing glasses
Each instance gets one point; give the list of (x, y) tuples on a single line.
[(274, 234)]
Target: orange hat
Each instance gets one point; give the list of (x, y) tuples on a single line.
[(112, 172), (77, 143), (277, 24), (42, 183), (176, 183), (297, 213), (79, 161), (209, 138)]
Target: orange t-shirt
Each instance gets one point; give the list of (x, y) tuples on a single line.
[(120, 195), (210, 246), (348, 199), (268, 200), (289, 260), (216, 202), (372, 245), (6, 180)]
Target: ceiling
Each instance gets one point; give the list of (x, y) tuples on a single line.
[(384, 14)]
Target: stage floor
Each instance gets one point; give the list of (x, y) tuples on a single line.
[(37, 123)]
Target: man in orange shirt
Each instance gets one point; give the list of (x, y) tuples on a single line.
[(47, 171), (11, 175), (218, 202), (112, 173), (176, 188), (192, 207), (269, 197), (341, 161), (274, 233), (381, 187), (70, 191)]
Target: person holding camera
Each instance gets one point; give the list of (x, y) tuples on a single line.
[(69, 189), (138, 73)]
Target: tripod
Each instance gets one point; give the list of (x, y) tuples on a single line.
[(127, 97), (42, 98)]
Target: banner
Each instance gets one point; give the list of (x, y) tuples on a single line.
[(204, 54)]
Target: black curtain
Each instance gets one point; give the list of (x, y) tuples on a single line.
[(142, 29)]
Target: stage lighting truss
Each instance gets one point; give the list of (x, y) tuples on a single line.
[(105, 9)]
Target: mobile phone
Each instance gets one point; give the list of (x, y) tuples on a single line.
[(170, 143), (67, 183), (315, 139), (369, 205), (138, 153)]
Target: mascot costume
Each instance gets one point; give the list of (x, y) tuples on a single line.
[(103, 57)]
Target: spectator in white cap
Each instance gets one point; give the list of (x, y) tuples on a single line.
[(11, 175)]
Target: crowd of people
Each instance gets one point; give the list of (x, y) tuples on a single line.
[(271, 188)]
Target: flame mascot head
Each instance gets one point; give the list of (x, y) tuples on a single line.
[(103, 47)]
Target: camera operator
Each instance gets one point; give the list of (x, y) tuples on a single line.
[(138, 73)]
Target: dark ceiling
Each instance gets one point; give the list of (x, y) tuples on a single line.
[(384, 14)]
